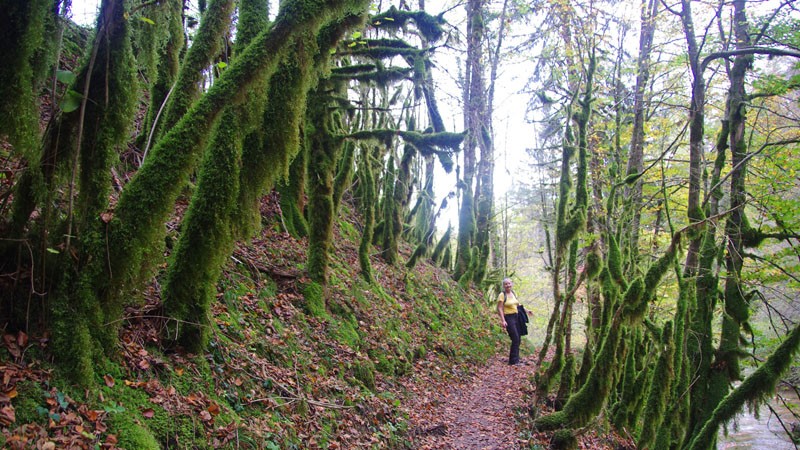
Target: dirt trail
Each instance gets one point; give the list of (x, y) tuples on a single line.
[(479, 414)]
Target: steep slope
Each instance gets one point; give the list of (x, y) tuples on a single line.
[(288, 366)]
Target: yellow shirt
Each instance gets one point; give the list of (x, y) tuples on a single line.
[(511, 303)]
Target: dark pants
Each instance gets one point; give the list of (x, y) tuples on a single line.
[(512, 327)]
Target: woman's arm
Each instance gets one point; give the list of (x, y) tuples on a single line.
[(501, 314)]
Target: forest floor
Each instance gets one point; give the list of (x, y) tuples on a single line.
[(480, 413), (488, 411)]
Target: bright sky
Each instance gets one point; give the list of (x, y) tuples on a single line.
[(84, 11)]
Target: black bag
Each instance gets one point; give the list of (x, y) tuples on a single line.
[(522, 318)]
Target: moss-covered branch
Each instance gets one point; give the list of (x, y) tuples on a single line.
[(754, 388), (149, 198)]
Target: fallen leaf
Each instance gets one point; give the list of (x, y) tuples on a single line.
[(7, 415), (109, 380), (22, 339), (148, 413)]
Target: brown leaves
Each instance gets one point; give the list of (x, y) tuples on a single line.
[(15, 344)]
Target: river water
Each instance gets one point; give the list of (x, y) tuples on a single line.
[(764, 432)]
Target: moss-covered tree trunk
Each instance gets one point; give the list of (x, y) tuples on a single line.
[(367, 184), (293, 195), (206, 45), (167, 68), (659, 391), (725, 367), (587, 402), (23, 41), (274, 151), (82, 325), (149, 197), (473, 100), (568, 225), (323, 150), (207, 235), (387, 210)]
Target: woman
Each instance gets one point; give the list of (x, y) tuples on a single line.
[(507, 310)]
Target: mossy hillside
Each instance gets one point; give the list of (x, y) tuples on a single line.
[(277, 371)]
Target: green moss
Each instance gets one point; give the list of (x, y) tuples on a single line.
[(23, 37), (30, 397), (552, 421), (133, 435), (346, 333), (659, 391), (314, 300), (364, 371), (206, 43), (206, 240), (564, 440)]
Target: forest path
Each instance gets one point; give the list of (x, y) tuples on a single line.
[(478, 414)]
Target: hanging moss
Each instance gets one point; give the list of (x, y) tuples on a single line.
[(431, 27), (659, 391), (380, 78), (754, 388)]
